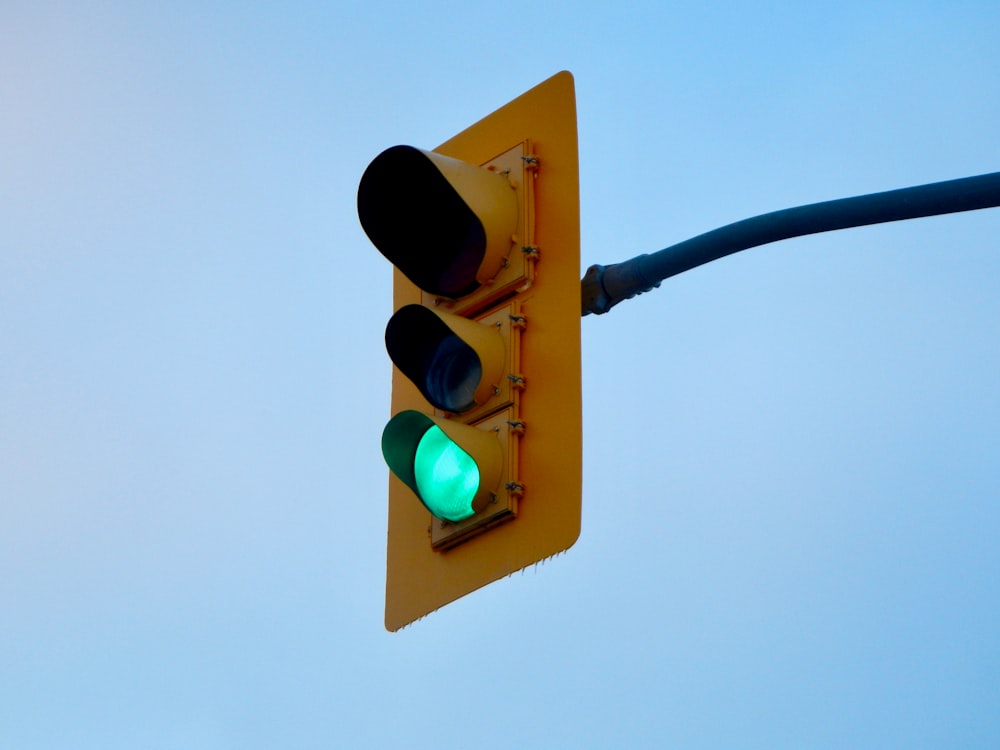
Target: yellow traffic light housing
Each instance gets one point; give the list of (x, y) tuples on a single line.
[(456, 363), (484, 446), (461, 217)]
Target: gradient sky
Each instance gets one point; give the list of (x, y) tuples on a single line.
[(791, 476)]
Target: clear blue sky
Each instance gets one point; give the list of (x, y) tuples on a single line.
[(791, 475)]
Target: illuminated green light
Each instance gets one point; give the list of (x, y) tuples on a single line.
[(447, 477), (440, 472)]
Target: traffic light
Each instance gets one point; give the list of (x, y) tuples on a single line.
[(484, 443)]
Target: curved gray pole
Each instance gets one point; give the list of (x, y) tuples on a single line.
[(603, 287)]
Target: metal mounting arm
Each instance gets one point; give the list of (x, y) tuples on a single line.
[(603, 287)]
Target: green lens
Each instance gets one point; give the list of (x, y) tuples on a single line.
[(447, 477)]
